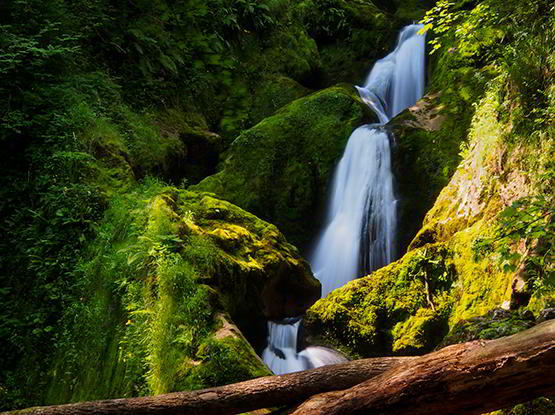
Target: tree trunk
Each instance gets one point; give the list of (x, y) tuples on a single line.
[(463, 379), (253, 394)]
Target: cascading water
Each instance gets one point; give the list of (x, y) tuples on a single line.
[(360, 233), (281, 354), (359, 236)]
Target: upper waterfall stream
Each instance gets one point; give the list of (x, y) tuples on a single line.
[(359, 234)]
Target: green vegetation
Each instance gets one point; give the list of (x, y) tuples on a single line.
[(117, 280), (95, 97), (280, 168), (527, 218), (156, 287), (400, 309)]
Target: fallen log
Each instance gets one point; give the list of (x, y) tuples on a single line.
[(463, 379), (253, 394)]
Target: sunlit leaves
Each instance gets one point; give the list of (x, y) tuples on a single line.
[(529, 219)]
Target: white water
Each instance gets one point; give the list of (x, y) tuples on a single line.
[(359, 235), (281, 354)]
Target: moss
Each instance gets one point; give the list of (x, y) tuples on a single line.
[(280, 168), (540, 406), (388, 311), (424, 158), (273, 93), (541, 300), (200, 148), (486, 181), (492, 325), (482, 284), (226, 361), (416, 333), (169, 271), (249, 246)]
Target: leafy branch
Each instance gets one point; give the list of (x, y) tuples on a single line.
[(530, 219)]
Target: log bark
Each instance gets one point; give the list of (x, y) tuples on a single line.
[(463, 379), (258, 393)]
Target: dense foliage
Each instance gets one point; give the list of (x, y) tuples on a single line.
[(478, 41), (98, 96)]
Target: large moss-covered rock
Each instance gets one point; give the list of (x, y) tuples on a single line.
[(250, 259), (492, 175), (400, 309), (280, 168), (171, 273)]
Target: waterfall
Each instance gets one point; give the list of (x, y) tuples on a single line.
[(359, 234), (281, 354)]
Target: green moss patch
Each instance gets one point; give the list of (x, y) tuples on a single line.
[(400, 309)]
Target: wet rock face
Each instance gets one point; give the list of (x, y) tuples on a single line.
[(422, 162)]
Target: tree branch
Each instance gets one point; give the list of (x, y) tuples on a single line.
[(270, 391), (463, 379)]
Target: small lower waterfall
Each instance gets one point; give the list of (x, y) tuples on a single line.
[(359, 235), (281, 355)]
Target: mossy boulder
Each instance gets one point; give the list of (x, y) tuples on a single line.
[(222, 358), (250, 259), (401, 309), (280, 168), (173, 281)]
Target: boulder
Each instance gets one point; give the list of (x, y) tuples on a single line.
[(399, 309), (176, 292), (280, 168)]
